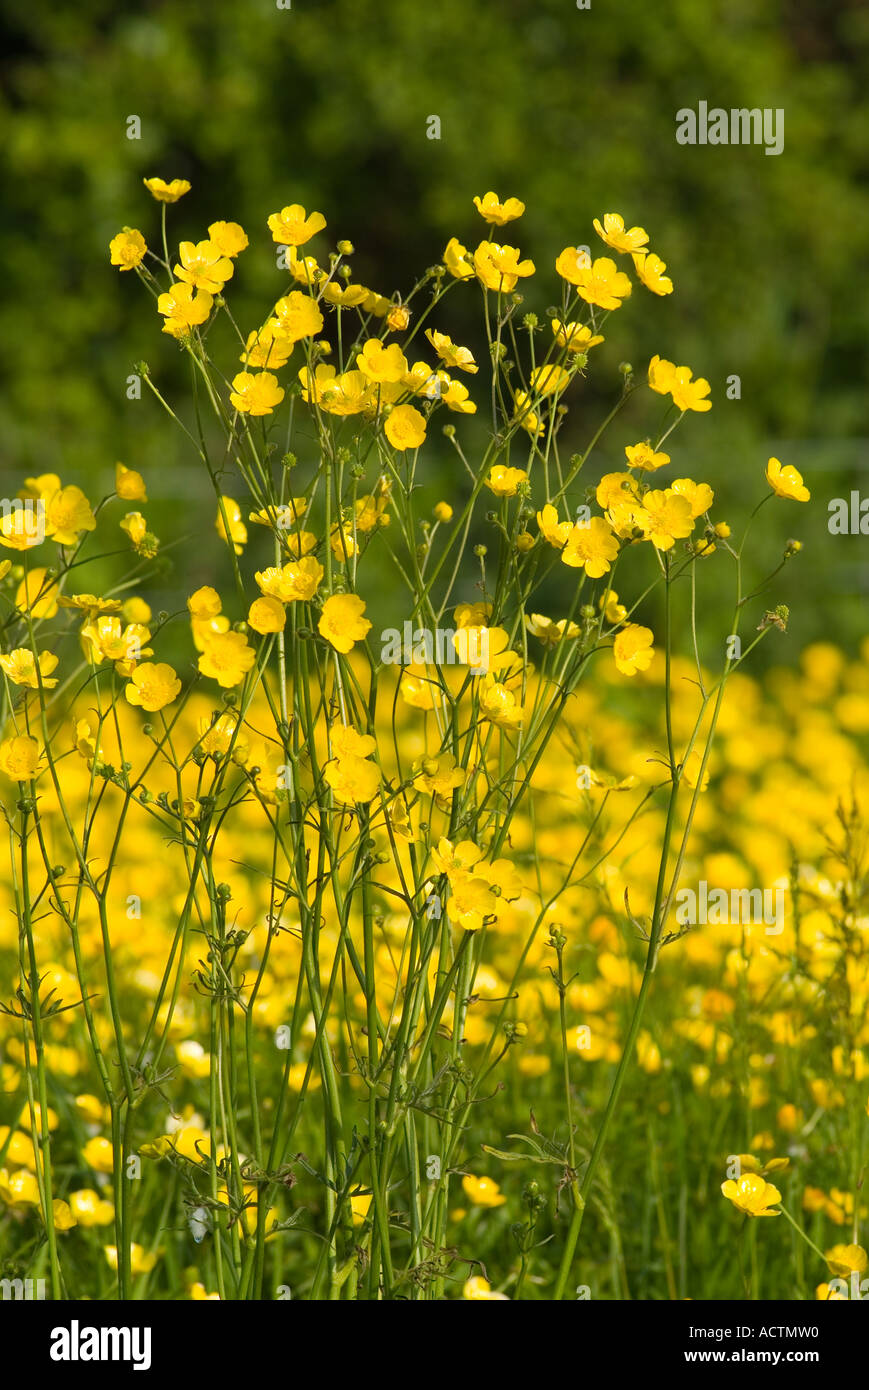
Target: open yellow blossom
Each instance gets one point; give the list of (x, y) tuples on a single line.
[(548, 381), (256, 393), (293, 582), (299, 316), (449, 353), (203, 266), (67, 514), (665, 517), (644, 457), (786, 481), (229, 238), (342, 623), (844, 1260), (380, 363), (268, 346), (591, 547), (21, 668), (650, 272), (456, 260), (267, 615), (661, 373), (632, 649), (752, 1195), (154, 685), (292, 226), (614, 234), (455, 396), (492, 210), (553, 531), (576, 337), (689, 394), (699, 495), (405, 427), (499, 267), (127, 249), (227, 658), (505, 482), (183, 309), (352, 779), (166, 192)]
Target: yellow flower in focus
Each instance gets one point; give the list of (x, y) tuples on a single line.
[(380, 363), (267, 615), (19, 758), (352, 779), (299, 316), (548, 381), (665, 516), (499, 267), (483, 1192), (700, 495), (37, 594), (203, 266), (67, 514), (786, 481), (229, 238), (492, 210), (643, 456), (448, 352), (597, 282), (292, 226), (342, 623), (166, 192), (576, 337), (154, 685), (183, 308), (256, 393), (21, 668), (614, 234), (632, 649), (405, 427), (505, 482), (296, 581), (650, 272), (752, 1195), (591, 547), (227, 658), (553, 531), (661, 375), (127, 249)]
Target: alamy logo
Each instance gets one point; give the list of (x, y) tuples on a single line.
[(27, 516), (848, 517), (22, 1289), (75, 1343), (469, 646), (738, 126), (716, 907)]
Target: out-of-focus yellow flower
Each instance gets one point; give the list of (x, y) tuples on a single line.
[(483, 1192), (19, 758), (479, 1290), (90, 1209)]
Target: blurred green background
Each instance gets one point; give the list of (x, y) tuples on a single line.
[(326, 103)]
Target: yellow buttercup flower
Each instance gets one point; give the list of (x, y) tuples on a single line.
[(846, 1259), (632, 649), (456, 260), (67, 514), (591, 547), (666, 516), (141, 1260), (292, 226), (644, 457), (786, 481), (127, 249), (37, 594), (689, 394), (256, 393), (752, 1195), (505, 482), (293, 582), (405, 427), (597, 282), (650, 272), (227, 658), (167, 192), (154, 685), (129, 485), (183, 309), (267, 615), (614, 234), (499, 267), (479, 1290), (352, 779), (21, 668), (229, 238), (449, 353), (90, 1209), (229, 524), (576, 337), (342, 623), (203, 266), (19, 758), (299, 316), (483, 1192), (380, 363), (492, 210)]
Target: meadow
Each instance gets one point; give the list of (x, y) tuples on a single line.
[(337, 967)]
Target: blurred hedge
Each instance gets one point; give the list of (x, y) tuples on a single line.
[(572, 110)]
